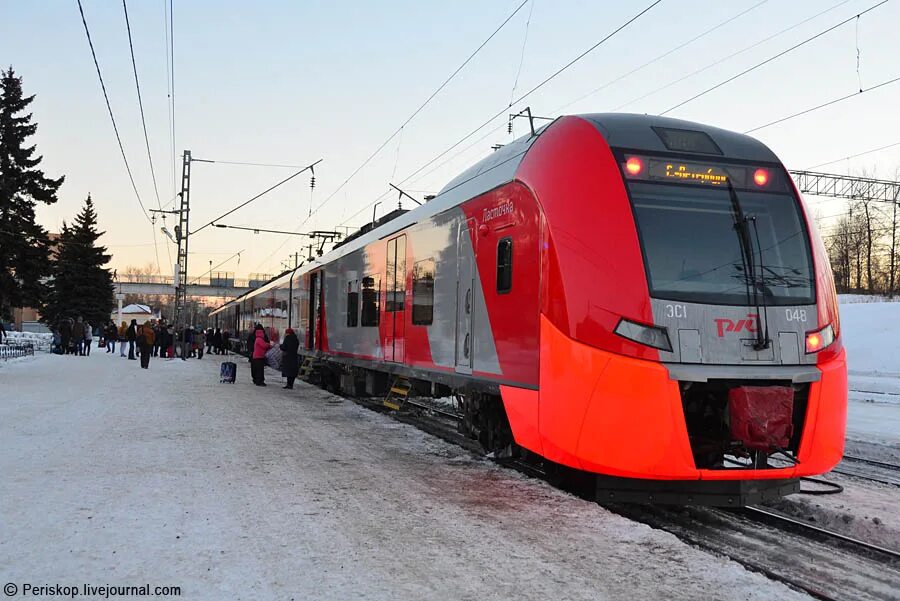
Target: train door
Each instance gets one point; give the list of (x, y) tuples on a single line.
[(395, 307), (465, 297), (312, 332)]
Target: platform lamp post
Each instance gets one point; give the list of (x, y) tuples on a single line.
[(119, 296)]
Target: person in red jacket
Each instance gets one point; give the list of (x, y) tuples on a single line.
[(258, 358)]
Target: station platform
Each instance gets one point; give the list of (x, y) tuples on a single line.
[(114, 474)]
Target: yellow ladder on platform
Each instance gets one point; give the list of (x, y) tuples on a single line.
[(307, 366), (398, 393)]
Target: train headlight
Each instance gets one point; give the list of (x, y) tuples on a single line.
[(819, 339), (654, 336)]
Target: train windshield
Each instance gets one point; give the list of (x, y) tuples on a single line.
[(693, 251)]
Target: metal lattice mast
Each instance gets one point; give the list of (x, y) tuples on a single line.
[(182, 237)]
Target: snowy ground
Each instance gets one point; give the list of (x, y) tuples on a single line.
[(870, 332), (113, 474)]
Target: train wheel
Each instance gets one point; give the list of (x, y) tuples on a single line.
[(484, 419)]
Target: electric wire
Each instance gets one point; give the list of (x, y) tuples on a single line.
[(169, 94), (729, 57), (263, 193), (772, 58), (823, 105), (661, 56), (109, 109), (535, 88), (137, 85), (853, 156), (512, 92), (423, 105)]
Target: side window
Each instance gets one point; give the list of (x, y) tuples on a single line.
[(369, 315), (352, 303), (504, 265), (423, 293)]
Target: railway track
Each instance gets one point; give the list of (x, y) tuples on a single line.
[(869, 469), (826, 565)]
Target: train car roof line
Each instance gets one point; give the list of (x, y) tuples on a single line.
[(635, 132), (623, 130)]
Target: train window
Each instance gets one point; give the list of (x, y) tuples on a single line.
[(504, 265), (369, 316), (352, 303), (396, 274), (423, 293), (712, 268)]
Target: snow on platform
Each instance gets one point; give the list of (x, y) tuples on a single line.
[(113, 474)]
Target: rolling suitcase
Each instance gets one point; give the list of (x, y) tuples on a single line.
[(228, 372)]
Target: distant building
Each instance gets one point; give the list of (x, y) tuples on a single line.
[(136, 311)]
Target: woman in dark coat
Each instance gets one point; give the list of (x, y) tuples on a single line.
[(289, 361)]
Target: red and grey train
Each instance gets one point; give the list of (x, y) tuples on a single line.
[(639, 298)]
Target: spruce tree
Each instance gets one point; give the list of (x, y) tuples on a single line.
[(24, 246), (81, 285)]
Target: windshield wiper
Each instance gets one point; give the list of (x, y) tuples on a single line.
[(743, 232)]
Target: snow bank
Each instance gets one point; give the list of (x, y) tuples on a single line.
[(849, 299), (871, 338), (40, 341)]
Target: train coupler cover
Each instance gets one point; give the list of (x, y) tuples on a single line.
[(761, 417)]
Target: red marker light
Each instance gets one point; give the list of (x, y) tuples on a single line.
[(813, 342), (761, 177), (820, 339), (634, 166)]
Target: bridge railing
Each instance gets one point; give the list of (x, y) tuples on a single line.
[(215, 281)]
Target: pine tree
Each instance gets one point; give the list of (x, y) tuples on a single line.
[(24, 246), (81, 285)]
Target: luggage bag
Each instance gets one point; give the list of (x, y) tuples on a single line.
[(228, 372)]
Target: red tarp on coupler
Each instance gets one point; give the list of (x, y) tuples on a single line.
[(761, 416)]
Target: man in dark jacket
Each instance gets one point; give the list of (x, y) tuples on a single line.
[(65, 334), (131, 336), (78, 336), (289, 361)]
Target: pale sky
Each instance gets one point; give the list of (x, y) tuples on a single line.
[(290, 82)]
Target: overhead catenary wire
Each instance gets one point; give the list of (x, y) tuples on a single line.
[(422, 106), (823, 105), (519, 99), (515, 85), (535, 88), (137, 85), (730, 56), (263, 193), (853, 156), (773, 57), (109, 109), (662, 56)]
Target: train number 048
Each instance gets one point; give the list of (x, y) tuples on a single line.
[(795, 314), (679, 311)]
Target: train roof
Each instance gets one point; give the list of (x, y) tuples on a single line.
[(640, 132), (621, 130)]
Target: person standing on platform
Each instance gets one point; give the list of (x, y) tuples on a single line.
[(123, 337), (145, 342), (217, 341), (88, 338), (131, 336), (78, 336), (187, 340), (111, 334), (65, 334), (200, 337), (258, 358), (290, 364)]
